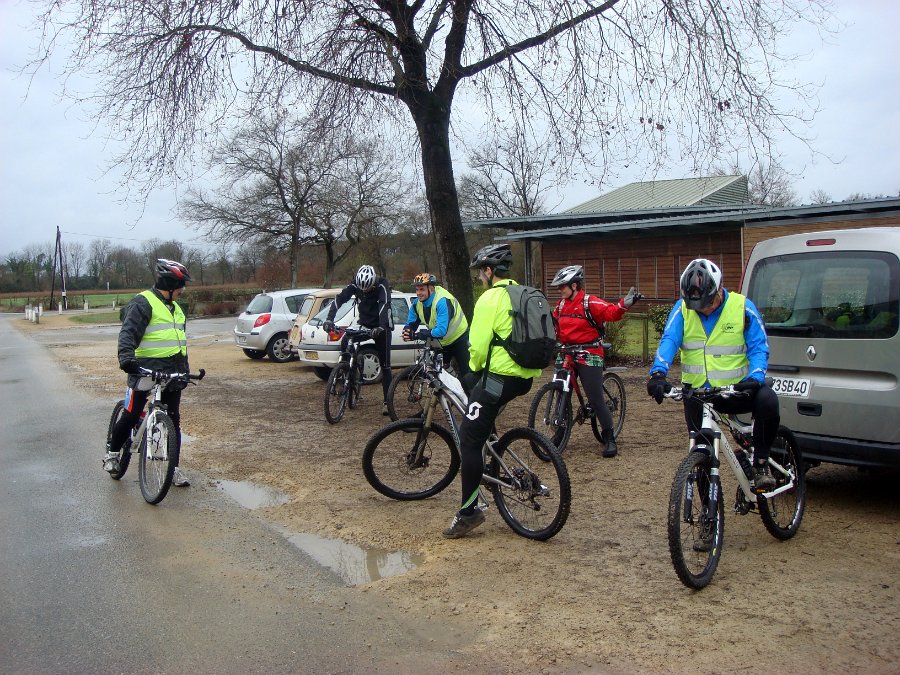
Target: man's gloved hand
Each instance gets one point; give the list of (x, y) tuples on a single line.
[(328, 325), (378, 330), (423, 334), (407, 334), (630, 298), (658, 386), (750, 386), (131, 366)]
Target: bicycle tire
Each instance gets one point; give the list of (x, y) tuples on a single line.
[(125, 450), (388, 455), (410, 386), (614, 393), (336, 392), (544, 415), (159, 457), (688, 522), (782, 513), (535, 507)]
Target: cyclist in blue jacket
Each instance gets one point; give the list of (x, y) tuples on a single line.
[(439, 312)]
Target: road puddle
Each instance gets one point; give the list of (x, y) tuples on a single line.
[(353, 564), (252, 496)]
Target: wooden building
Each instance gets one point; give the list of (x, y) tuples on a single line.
[(644, 234)]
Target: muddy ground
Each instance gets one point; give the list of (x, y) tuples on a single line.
[(602, 594)]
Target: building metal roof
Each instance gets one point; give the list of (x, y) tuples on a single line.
[(693, 219), (703, 191)]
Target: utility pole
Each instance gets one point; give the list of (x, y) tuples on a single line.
[(60, 259)]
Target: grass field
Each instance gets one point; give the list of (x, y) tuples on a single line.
[(96, 317)]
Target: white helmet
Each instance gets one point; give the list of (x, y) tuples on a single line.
[(365, 277), (568, 275), (700, 282)]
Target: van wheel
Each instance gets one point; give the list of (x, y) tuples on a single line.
[(254, 353), (279, 349), (322, 372), (371, 365)]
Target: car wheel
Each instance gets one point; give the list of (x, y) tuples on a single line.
[(371, 365), (254, 353), (322, 372), (279, 349)]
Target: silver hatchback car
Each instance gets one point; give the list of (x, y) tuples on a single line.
[(263, 328)]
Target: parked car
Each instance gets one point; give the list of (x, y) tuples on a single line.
[(312, 305), (321, 349), (262, 329), (831, 302)]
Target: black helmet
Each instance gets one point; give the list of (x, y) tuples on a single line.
[(170, 269), (568, 275), (498, 256), (700, 282)]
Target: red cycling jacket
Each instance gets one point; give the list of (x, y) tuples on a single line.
[(573, 326)]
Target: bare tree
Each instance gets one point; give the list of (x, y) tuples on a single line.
[(609, 80), (76, 258), (819, 197), (287, 184), (509, 176), (767, 183)]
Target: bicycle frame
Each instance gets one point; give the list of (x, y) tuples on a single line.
[(711, 429)]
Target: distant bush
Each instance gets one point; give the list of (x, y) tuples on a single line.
[(657, 314)]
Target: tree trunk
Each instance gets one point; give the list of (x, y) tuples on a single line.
[(433, 126)]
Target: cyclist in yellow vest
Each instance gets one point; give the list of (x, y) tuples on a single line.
[(152, 336), (439, 312), (722, 340), (495, 379)]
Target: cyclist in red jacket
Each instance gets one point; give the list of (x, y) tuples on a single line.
[(579, 319)]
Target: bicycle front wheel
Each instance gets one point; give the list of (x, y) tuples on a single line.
[(125, 450), (535, 505), (695, 529), (406, 461), (782, 513), (337, 390), (405, 395), (551, 415), (159, 457), (354, 393)]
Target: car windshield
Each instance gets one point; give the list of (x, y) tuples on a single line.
[(838, 294), (260, 304), (341, 313)]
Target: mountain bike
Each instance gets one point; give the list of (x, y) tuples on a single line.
[(696, 518), (342, 390), (416, 458), (409, 388), (551, 408), (154, 437)]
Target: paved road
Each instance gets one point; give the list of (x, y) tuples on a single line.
[(92, 579)]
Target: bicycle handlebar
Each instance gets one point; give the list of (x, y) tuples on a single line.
[(704, 393), (159, 376)]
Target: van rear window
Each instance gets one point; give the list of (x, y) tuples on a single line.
[(839, 294)]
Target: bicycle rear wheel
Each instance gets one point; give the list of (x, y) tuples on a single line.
[(782, 513), (551, 415), (695, 534), (337, 390), (125, 450), (159, 457), (406, 461), (614, 393), (534, 506), (406, 393)]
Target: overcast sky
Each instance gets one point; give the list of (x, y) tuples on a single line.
[(53, 161)]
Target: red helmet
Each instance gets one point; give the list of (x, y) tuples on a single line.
[(171, 269)]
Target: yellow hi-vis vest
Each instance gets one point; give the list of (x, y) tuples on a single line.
[(164, 335), (720, 358), (458, 324)]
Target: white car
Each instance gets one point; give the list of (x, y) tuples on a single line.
[(322, 350)]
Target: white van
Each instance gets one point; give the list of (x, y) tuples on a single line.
[(831, 301)]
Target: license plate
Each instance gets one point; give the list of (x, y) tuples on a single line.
[(241, 339), (312, 356), (791, 387)]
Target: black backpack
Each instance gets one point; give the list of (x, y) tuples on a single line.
[(532, 342)]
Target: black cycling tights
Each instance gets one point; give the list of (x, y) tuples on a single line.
[(592, 382), (764, 407)]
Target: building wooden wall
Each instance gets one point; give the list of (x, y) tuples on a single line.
[(652, 264)]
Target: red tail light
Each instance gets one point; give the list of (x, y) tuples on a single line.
[(262, 320), (820, 242), (335, 335)]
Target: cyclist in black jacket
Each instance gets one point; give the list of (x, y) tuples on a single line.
[(373, 297)]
